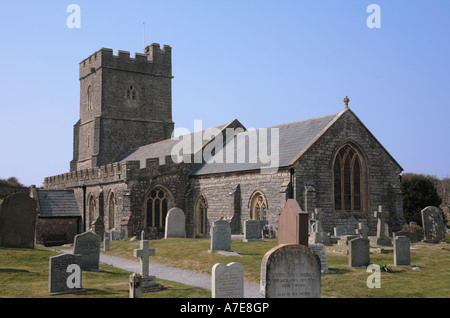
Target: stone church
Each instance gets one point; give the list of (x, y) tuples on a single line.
[(127, 170)]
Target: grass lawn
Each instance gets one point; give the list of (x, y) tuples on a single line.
[(24, 273)]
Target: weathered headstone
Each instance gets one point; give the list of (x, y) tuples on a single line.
[(340, 230), (290, 271), (64, 275), (148, 282), (412, 236), (319, 250), (317, 235), (252, 231), (221, 236), (106, 241), (433, 225), (402, 253), (175, 223), (17, 221), (135, 285), (293, 224), (382, 237), (87, 244), (359, 252), (228, 281), (362, 230), (115, 235), (268, 231)]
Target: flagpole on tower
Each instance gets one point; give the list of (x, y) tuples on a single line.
[(144, 34)]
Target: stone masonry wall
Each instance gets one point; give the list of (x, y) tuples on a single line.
[(381, 181)]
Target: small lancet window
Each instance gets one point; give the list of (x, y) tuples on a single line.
[(131, 92)]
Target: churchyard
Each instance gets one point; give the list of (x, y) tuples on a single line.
[(24, 272)]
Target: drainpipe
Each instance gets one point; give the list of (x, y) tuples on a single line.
[(83, 187)]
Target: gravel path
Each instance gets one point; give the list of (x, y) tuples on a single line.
[(187, 277)]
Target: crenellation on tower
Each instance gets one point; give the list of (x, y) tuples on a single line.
[(125, 103)]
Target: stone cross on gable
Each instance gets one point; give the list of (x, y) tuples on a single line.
[(382, 216), (144, 253)]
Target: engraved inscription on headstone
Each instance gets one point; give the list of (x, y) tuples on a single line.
[(290, 271), (228, 281)]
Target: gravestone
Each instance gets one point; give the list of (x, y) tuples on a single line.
[(362, 230), (340, 230), (221, 236), (268, 231), (402, 252), (135, 285), (64, 275), (87, 244), (359, 252), (148, 282), (252, 231), (106, 240), (175, 223), (317, 235), (290, 271), (115, 235), (228, 281), (293, 224), (320, 251), (412, 236), (17, 221), (433, 225), (382, 228)]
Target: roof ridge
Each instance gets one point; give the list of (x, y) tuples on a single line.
[(305, 120)]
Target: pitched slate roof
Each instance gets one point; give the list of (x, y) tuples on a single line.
[(57, 203), (164, 148), (294, 139)]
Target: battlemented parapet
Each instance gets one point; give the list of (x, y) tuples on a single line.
[(122, 97), (155, 61), (117, 172)]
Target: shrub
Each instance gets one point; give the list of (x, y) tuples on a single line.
[(416, 229)]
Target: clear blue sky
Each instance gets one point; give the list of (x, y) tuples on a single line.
[(264, 62)]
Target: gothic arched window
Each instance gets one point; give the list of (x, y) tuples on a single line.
[(348, 176), (112, 210), (258, 206), (201, 217), (157, 207)]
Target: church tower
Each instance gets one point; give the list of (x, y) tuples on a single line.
[(125, 103)]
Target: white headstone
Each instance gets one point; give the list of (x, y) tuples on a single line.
[(175, 223), (228, 281)]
